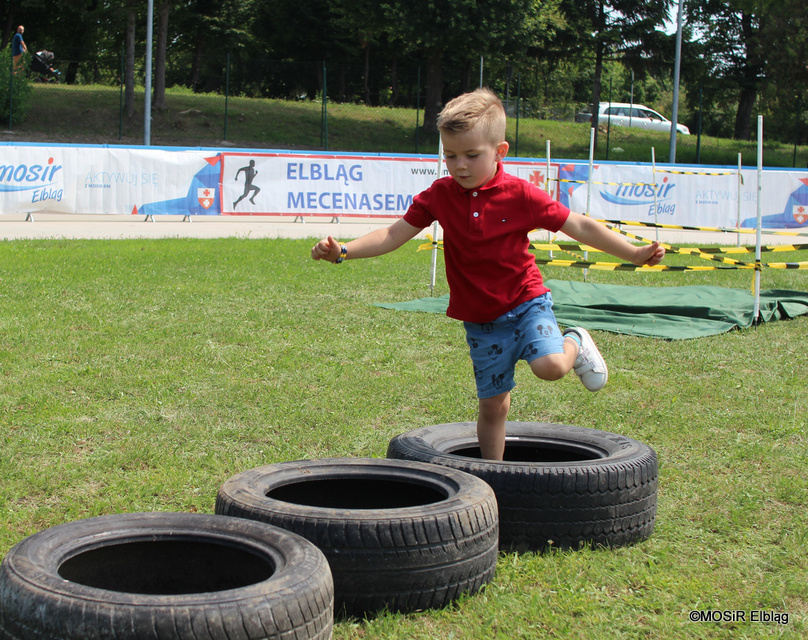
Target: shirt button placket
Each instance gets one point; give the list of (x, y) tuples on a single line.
[(476, 221)]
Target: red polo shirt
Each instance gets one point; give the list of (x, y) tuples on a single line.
[(488, 266)]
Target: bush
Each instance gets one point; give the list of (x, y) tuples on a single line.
[(19, 102)]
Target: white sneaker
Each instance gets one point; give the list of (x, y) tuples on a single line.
[(590, 366)]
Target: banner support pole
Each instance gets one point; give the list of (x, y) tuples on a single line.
[(756, 318), (548, 189), (740, 187), (435, 227), (589, 184), (656, 200)]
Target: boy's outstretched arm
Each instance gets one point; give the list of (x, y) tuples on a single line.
[(587, 231), (373, 244)]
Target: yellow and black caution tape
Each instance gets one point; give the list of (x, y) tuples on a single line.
[(706, 253), (575, 255), (703, 253), (681, 250), (562, 246), (656, 225), (697, 173), (766, 248), (769, 248), (432, 244), (614, 266), (608, 184), (709, 254), (785, 265)]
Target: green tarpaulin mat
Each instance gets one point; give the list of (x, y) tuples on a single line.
[(673, 313)]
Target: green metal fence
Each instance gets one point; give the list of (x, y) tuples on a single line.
[(327, 98)]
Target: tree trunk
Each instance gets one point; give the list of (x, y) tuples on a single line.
[(8, 31), (342, 92), (508, 81), (394, 85), (433, 101), (368, 97), (129, 62), (196, 65), (465, 78), (743, 117), (159, 100), (752, 71), (600, 26)]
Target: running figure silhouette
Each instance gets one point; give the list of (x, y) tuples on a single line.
[(249, 175)]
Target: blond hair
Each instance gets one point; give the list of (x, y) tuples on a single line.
[(479, 110)]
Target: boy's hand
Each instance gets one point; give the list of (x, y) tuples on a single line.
[(327, 249), (649, 255)]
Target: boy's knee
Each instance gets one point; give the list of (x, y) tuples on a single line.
[(551, 367), (495, 407)]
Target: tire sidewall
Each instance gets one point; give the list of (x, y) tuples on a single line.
[(605, 498), (402, 558), (437, 442), (251, 488), (32, 592)]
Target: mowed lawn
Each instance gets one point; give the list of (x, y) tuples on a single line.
[(138, 375)]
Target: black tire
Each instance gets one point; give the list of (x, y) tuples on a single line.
[(559, 485), (165, 575), (399, 535)]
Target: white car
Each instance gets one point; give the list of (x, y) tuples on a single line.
[(636, 115)]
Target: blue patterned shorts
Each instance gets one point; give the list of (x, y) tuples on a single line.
[(527, 332)]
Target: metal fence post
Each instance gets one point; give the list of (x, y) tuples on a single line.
[(418, 109), (10, 89), (324, 123), (797, 128), (518, 103), (120, 96), (147, 108), (226, 92), (609, 121), (698, 138)]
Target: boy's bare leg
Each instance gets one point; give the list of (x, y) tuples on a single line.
[(556, 365), (491, 425)]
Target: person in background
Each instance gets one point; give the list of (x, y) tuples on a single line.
[(18, 48)]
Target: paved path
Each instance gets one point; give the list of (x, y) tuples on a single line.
[(51, 225), (67, 226)]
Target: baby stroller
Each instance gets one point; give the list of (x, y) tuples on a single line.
[(41, 65)]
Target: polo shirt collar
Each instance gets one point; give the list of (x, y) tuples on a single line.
[(491, 184)]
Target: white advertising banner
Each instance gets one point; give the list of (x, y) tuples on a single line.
[(108, 180), (140, 180), (539, 173), (686, 196), (320, 185)]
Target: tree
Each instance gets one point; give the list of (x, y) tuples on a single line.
[(76, 33), (163, 11), (785, 41), (363, 24), (129, 58), (12, 107), (464, 30), (204, 32), (621, 28), (732, 37)]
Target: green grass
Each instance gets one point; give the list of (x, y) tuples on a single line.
[(140, 374), (91, 114)]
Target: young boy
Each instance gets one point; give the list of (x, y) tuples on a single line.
[(495, 286)]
